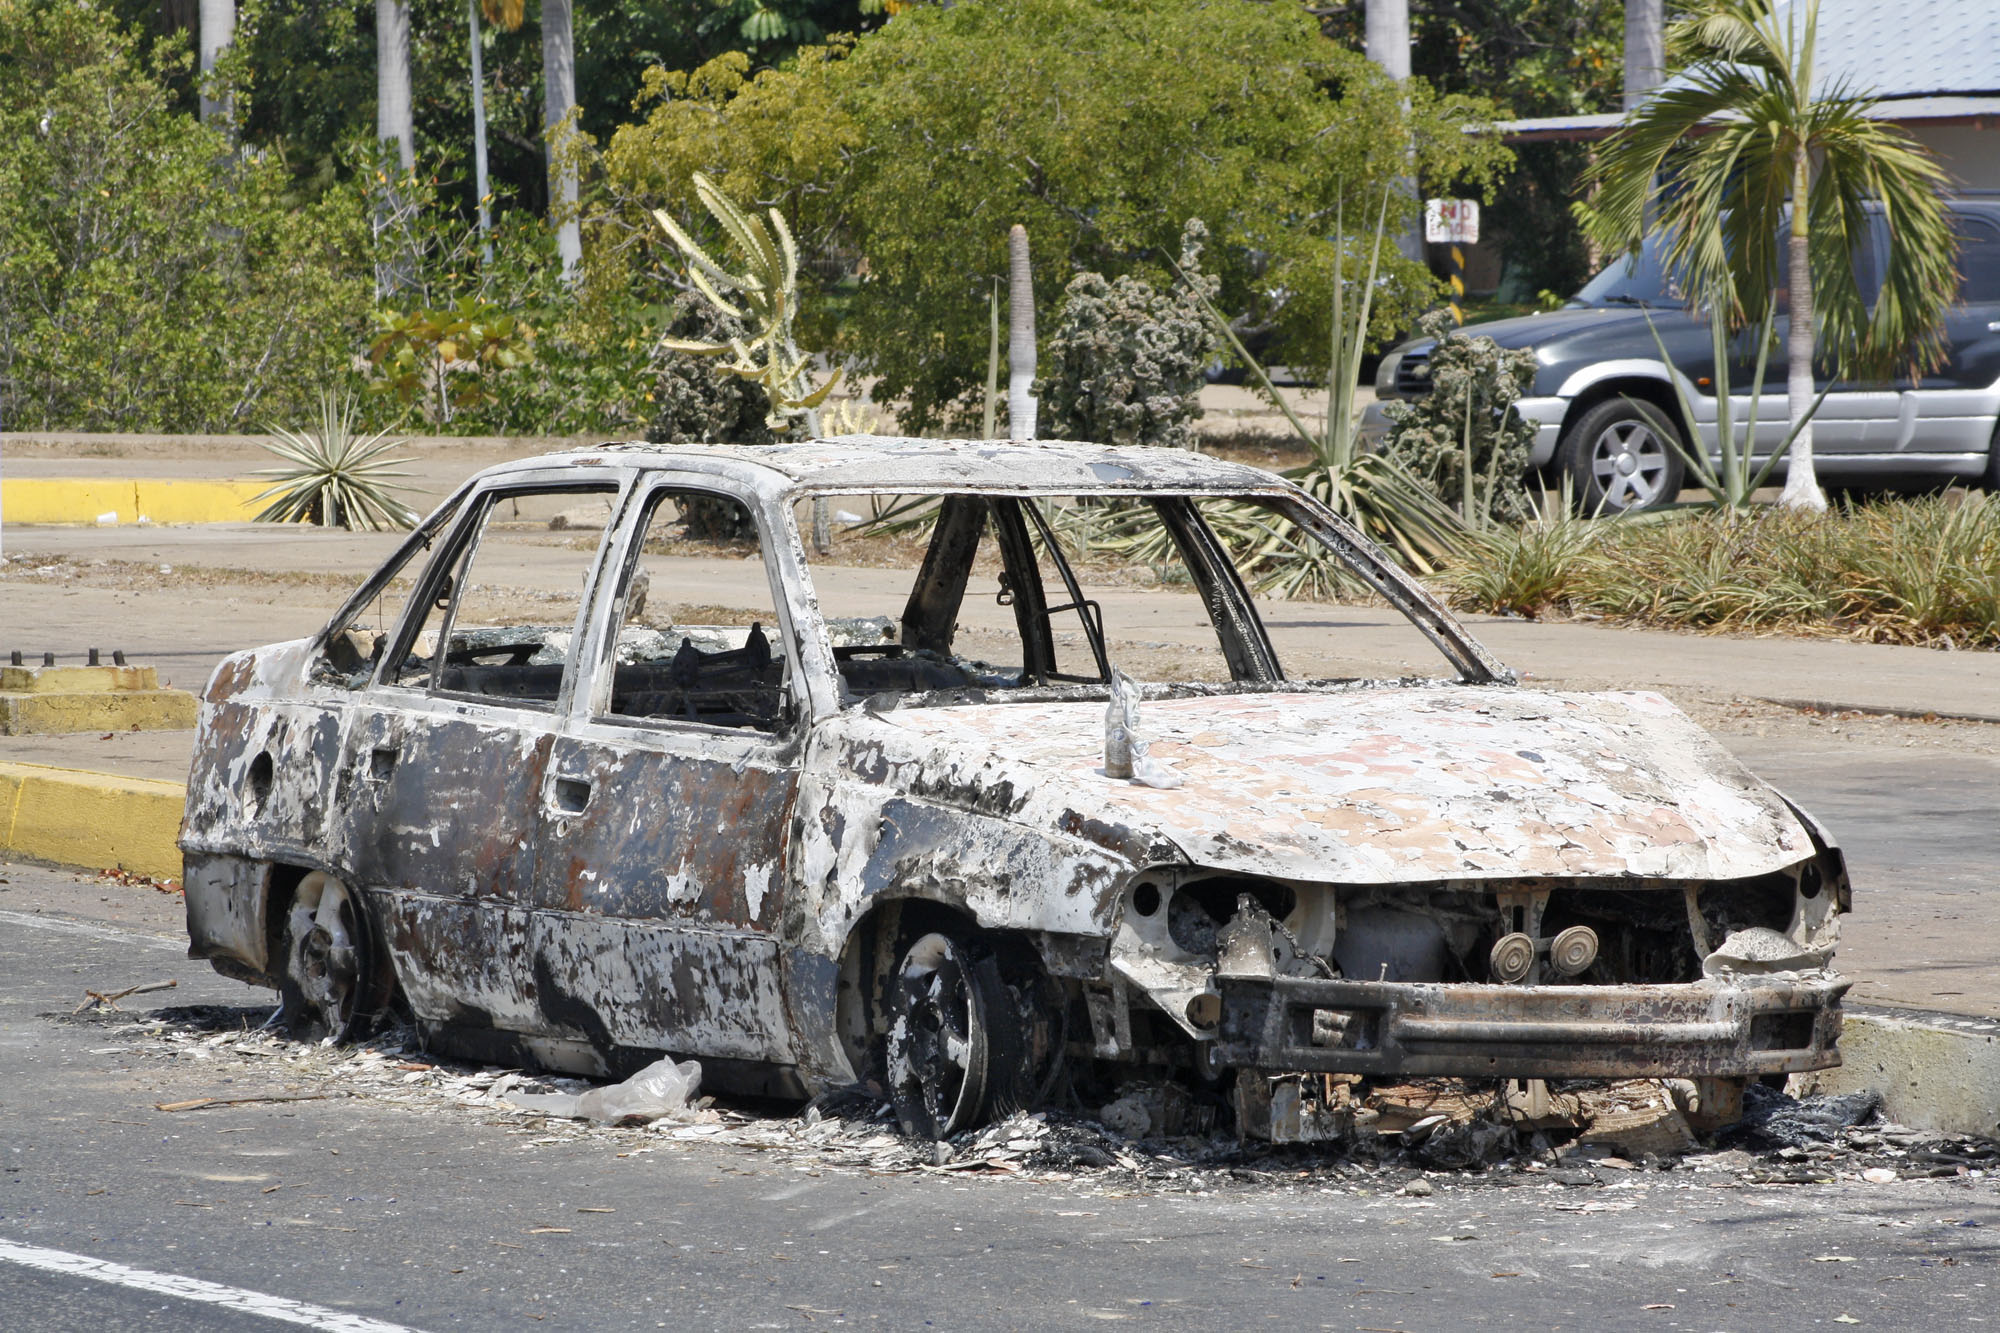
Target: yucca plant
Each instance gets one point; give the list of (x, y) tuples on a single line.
[(335, 477), (1368, 490), (765, 296), (1731, 485)]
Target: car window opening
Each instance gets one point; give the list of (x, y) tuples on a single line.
[(1033, 597), (504, 600), (694, 645)]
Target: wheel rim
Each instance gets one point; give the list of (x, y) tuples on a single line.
[(323, 959), (1630, 463), (938, 1047)]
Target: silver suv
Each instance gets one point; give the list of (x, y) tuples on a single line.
[(1598, 351)]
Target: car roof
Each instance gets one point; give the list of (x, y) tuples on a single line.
[(851, 463)]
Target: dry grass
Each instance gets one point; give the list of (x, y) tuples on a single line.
[(1922, 571)]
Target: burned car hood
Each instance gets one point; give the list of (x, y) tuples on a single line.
[(1385, 784)]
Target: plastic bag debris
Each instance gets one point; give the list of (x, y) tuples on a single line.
[(1124, 752), (661, 1089)]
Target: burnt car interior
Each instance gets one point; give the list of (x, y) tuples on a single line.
[(1013, 551), (729, 670)]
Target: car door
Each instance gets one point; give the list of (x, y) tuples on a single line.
[(1849, 417), (1951, 410), (659, 878), (449, 742)]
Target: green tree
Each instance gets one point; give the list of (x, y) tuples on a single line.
[(1739, 142), (1101, 126), (145, 285)]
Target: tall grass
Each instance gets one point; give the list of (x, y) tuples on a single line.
[(1923, 571)]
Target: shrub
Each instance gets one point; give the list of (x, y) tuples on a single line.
[(1464, 438), (1127, 362), (695, 401)]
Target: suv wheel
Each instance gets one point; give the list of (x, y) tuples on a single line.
[(1619, 461), (1991, 480)]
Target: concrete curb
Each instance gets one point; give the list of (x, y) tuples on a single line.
[(1937, 1072), (1878, 710), (109, 501), (94, 821)]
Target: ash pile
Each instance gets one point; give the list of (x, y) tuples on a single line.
[(1412, 1137)]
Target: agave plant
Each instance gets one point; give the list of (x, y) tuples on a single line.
[(334, 476)]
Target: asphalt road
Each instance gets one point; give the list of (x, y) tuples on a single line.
[(331, 1212)]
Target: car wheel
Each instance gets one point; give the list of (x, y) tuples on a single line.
[(1991, 479), (329, 972), (955, 1052), (1619, 460)]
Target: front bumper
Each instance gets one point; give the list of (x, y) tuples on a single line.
[(1737, 1027), (1546, 413)]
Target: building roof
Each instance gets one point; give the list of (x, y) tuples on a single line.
[(1926, 60)]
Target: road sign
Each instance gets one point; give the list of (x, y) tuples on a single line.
[(1451, 221)]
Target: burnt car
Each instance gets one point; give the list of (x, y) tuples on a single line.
[(567, 788)]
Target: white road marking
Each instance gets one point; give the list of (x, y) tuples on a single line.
[(91, 929), (193, 1289)]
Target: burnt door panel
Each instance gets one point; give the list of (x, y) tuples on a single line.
[(669, 853), (660, 858), (659, 884), (444, 804)]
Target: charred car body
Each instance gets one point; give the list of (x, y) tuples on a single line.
[(556, 793)]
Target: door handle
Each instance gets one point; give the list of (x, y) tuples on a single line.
[(572, 795)]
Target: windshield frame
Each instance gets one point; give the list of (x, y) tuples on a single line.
[(1241, 632)]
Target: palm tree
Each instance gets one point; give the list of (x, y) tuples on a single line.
[(558, 100), (393, 116), (506, 14), (1734, 141), (218, 30)]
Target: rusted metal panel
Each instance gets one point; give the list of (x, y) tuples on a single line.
[(226, 900), (677, 827), (609, 982)]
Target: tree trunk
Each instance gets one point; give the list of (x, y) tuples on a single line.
[(393, 123), (479, 131), (558, 99), (1645, 48), (1020, 337), (392, 80), (1386, 41), (218, 29), (1801, 483)]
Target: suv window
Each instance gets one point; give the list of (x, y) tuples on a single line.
[(1978, 260)]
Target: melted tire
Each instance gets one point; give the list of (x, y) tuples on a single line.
[(955, 1054), (327, 989)]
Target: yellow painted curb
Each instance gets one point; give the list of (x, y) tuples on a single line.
[(124, 500), (94, 821)]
